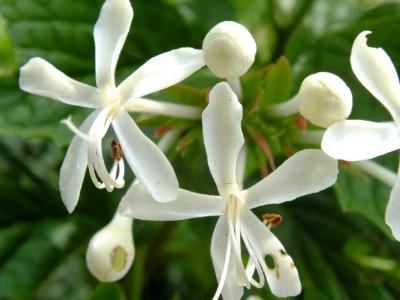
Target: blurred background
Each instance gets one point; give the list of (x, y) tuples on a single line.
[(338, 238)]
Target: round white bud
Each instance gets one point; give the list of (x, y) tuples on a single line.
[(324, 99), (111, 251), (229, 50)]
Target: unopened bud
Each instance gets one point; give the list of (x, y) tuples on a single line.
[(111, 251), (229, 49), (324, 99)]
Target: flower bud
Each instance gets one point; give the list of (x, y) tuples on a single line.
[(229, 49), (111, 251), (324, 99)]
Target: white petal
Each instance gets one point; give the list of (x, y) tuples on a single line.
[(354, 140), (376, 72), (139, 204), (219, 241), (41, 78), (110, 33), (241, 167), (392, 216), (223, 137), (74, 166), (148, 163), (283, 279), (306, 172), (162, 71)]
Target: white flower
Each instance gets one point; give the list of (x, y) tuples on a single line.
[(355, 140), (111, 250), (324, 99), (306, 172), (111, 104), (229, 50)]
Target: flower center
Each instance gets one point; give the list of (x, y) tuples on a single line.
[(111, 100)]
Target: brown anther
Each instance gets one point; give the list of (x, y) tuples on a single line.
[(272, 219), (116, 150)]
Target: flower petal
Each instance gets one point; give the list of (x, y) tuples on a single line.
[(376, 72), (354, 140), (392, 216), (74, 166), (283, 279), (139, 204), (148, 163), (223, 137), (219, 244), (41, 78), (161, 72), (110, 33), (307, 171)]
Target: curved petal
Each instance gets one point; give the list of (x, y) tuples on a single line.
[(306, 172), (376, 72), (392, 216), (139, 204), (74, 166), (41, 78), (283, 279), (110, 33), (223, 137), (219, 243), (148, 163), (354, 140), (162, 71)]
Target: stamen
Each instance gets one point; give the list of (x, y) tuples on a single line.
[(116, 150), (253, 264), (235, 236), (68, 122), (92, 174), (272, 219), (224, 272)]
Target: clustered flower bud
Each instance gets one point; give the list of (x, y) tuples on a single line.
[(111, 251), (229, 50), (324, 99)]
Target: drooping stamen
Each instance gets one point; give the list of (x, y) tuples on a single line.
[(68, 122), (224, 272), (253, 264), (93, 176), (233, 210)]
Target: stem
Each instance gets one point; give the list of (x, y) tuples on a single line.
[(309, 137), (284, 109), (164, 108), (381, 173), (236, 86)]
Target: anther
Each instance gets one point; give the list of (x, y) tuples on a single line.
[(272, 219), (116, 150)]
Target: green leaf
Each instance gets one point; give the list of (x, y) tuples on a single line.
[(278, 82), (108, 291), (359, 193), (43, 250)]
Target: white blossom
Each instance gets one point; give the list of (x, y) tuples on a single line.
[(306, 172), (355, 140), (111, 251), (324, 99), (229, 50), (111, 104)]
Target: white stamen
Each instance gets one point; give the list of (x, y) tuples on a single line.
[(235, 236), (224, 272), (93, 176), (68, 122), (253, 264)]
